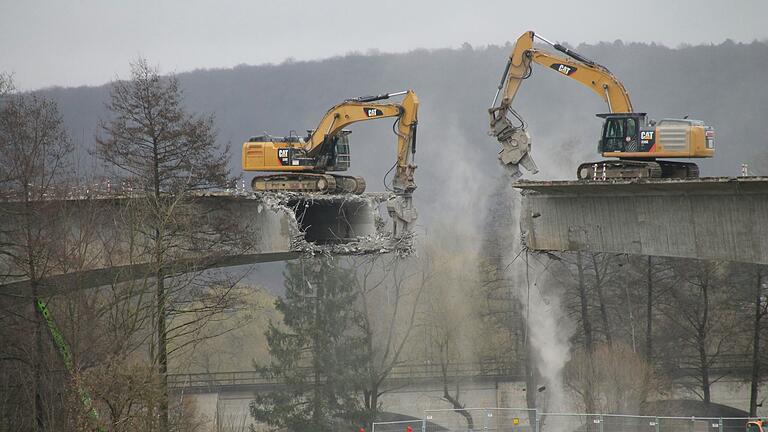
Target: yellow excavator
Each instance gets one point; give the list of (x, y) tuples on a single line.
[(628, 135), (304, 164)]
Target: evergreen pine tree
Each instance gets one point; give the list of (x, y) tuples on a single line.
[(315, 351)]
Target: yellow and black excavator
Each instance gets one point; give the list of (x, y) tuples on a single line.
[(627, 135), (303, 164)]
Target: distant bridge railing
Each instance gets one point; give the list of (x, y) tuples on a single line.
[(424, 371), (736, 365)]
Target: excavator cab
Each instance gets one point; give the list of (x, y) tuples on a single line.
[(334, 156), (623, 132)]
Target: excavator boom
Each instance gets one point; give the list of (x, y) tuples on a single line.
[(513, 137)]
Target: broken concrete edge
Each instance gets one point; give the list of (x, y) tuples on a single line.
[(618, 187), (381, 241), (367, 245), (286, 204)]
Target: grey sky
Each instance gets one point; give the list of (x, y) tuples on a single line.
[(89, 42)]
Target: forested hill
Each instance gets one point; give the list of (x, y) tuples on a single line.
[(724, 85)]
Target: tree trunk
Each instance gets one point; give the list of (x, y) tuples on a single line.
[(702, 342), (317, 415), (37, 321), (756, 346), (601, 299), (704, 375), (161, 307), (162, 351), (649, 315), (373, 405), (454, 401), (585, 322), (37, 364)]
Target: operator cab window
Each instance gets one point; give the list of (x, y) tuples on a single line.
[(613, 135), (620, 134), (615, 128), (631, 127)]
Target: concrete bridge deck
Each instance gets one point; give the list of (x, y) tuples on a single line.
[(265, 227), (717, 218)]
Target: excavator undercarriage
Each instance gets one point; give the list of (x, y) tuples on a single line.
[(628, 169), (309, 182)]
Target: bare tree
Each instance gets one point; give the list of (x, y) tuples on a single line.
[(389, 294), (34, 152), (601, 268), (761, 309), (617, 377), (449, 318), (168, 154), (700, 312)]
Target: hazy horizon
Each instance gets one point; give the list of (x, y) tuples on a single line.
[(90, 43)]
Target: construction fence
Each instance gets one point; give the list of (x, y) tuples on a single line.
[(529, 420)]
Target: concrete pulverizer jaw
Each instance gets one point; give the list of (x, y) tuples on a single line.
[(515, 144), (400, 207)]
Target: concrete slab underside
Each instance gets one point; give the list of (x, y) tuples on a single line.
[(708, 218)]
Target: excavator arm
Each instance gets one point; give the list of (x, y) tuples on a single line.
[(515, 140), (366, 108), (400, 208)]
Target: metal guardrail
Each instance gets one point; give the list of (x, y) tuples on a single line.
[(103, 187), (732, 364), (405, 371)]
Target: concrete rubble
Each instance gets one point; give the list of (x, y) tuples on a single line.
[(337, 224)]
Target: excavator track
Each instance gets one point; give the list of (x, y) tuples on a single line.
[(618, 169), (350, 184), (324, 183), (678, 169), (630, 169), (309, 182)]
